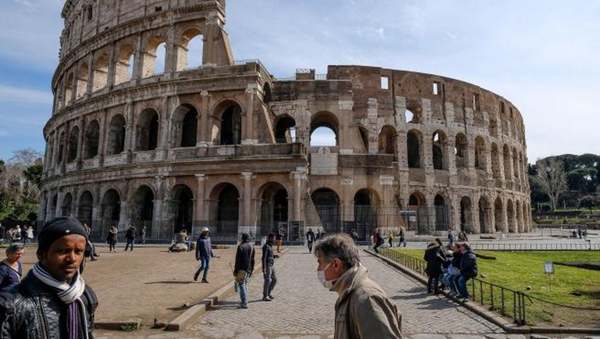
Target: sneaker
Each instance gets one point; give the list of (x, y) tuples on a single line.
[(266, 299), (204, 281), (244, 306), (195, 276), (271, 297)]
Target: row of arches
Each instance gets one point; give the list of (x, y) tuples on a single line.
[(94, 72)]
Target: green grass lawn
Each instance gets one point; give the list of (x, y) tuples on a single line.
[(522, 270)]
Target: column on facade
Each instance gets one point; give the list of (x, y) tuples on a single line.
[(504, 215), (203, 130), (246, 225), (387, 204), (248, 132), (299, 177), (201, 212), (157, 222), (171, 55), (129, 130), (138, 57), (112, 66), (163, 135), (347, 202)]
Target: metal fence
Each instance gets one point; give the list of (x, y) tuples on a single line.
[(521, 307), (532, 246)]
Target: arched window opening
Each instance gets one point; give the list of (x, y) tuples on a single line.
[(365, 213), (100, 72), (110, 213), (225, 211), (142, 211), (67, 205), (510, 214), (154, 57), (438, 149), (480, 158), (182, 209), (413, 143), (495, 161), (53, 205), (466, 215), (189, 129), (327, 205), (61, 148), (124, 66), (148, 130), (323, 130), (498, 215), (485, 216), (231, 125), (69, 89), (73, 144), (387, 140), (92, 139), (116, 135), (273, 208), (82, 80), (190, 51), (364, 137), (85, 208), (420, 222), (460, 150), (267, 95), (285, 130), (441, 213)]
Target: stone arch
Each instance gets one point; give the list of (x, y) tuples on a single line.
[(387, 140), (124, 65), (510, 216), (61, 147), (326, 122), (142, 210), (100, 72), (184, 126), (154, 56), (495, 161), (480, 153), (285, 131), (85, 208), (181, 209), (73, 148), (461, 145), (92, 139), (366, 206), (442, 220), (506, 160), (273, 198), (83, 74), (466, 215), (110, 212), (439, 146), (67, 205), (69, 89), (414, 148), (225, 210), (116, 135), (418, 203), (190, 50), (499, 215), (147, 130), (327, 204), (227, 128), (485, 216)]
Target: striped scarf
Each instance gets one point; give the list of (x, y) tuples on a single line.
[(70, 294)]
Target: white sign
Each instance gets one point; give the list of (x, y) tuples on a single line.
[(549, 267)]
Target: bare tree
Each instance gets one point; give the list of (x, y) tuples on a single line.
[(552, 179)]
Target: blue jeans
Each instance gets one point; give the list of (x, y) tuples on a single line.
[(461, 283), (270, 281), (204, 265), (243, 289)]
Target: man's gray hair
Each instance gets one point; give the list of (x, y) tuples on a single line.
[(13, 248), (339, 246)]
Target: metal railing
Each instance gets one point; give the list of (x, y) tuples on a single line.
[(516, 246), (522, 308)]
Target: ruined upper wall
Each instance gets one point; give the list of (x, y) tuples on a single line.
[(86, 19)]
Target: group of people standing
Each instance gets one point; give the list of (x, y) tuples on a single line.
[(450, 267), (19, 234)]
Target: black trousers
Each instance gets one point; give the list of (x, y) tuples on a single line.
[(433, 283), (129, 244)]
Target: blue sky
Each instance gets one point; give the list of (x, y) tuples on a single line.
[(543, 55)]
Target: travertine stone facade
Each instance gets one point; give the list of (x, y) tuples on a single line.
[(227, 145)]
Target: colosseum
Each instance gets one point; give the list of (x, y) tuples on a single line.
[(150, 132)]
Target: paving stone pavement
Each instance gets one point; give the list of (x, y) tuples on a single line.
[(304, 309)]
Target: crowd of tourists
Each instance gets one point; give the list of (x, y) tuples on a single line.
[(22, 234)]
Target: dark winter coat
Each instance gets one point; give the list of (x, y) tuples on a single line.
[(468, 265), (244, 258), (34, 311), (204, 248), (268, 258), (434, 258)]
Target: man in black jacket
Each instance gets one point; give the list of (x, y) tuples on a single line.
[(52, 301), (468, 269), (268, 262), (244, 266)]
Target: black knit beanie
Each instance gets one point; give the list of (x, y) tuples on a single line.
[(58, 228)]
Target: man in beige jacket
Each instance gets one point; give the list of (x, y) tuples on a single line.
[(362, 309)]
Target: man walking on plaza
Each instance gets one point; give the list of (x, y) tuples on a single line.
[(203, 254), (130, 238), (310, 239), (244, 266), (362, 309), (52, 301), (268, 263)]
